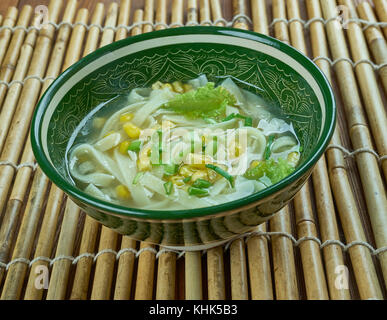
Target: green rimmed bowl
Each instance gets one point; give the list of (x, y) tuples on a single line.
[(288, 78)]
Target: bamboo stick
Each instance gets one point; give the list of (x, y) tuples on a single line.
[(193, 275), (9, 64), (280, 27), (40, 57), (91, 226), (285, 277), (60, 270), (373, 102), (161, 14), (149, 13), (259, 268), (192, 13), (205, 13), (177, 18), (166, 276), (16, 273), (258, 11), (381, 11), (215, 274), (138, 17), (55, 199), (123, 19), (373, 188), (314, 277), (105, 263), (376, 41), (239, 282), (13, 92), (217, 14), (239, 7), (361, 259), (145, 273), (125, 270), (5, 34)]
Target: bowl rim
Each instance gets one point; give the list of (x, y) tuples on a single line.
[(328, 128)]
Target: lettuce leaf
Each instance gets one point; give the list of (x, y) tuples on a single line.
[(275, 171), (204, 102)]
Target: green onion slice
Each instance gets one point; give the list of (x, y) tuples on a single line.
[(223, 173)]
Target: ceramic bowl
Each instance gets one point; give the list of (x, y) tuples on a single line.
[(288, 78)]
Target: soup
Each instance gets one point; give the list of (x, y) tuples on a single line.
[(182, 145)]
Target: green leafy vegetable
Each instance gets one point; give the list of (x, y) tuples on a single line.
[(205, 102), (201, 184), (267, 153), (192, 191), (274, 170), (223, 173)]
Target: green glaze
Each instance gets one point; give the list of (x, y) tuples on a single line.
[(82, 87)]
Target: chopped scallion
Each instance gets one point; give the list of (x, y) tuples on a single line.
[(168, 187), (201, 184), (223, 173), (192, 191), (137, 177), (170, 169), (186, 180), (267, 153)]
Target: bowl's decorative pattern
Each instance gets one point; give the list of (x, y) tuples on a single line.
[(279, 80)]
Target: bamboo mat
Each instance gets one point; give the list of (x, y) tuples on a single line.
[(329, 243)]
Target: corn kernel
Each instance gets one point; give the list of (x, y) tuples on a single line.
[(187, 87), (126, 117), (124, 146), (123, 192), (294, 158), (131, 130), (201, 174), (178, 87), (254, 164)]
